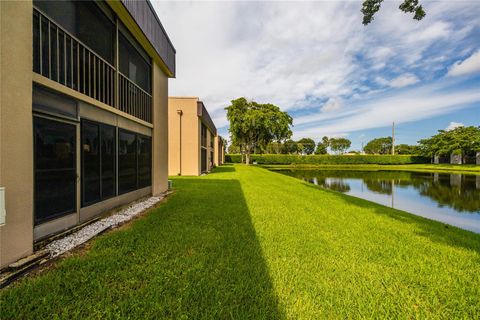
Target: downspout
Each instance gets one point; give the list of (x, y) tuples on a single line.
[(180, 113)]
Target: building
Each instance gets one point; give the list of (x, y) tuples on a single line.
[(83, 113), (219, 151), (193, 144)]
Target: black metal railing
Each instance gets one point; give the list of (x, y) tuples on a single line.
[(133, 99), (61, 57)]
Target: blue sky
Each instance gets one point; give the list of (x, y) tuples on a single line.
[(335, 76)]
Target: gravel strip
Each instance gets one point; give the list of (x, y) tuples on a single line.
[(63, 245)]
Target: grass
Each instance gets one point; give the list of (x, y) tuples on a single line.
[(446, 168), (247, 243)]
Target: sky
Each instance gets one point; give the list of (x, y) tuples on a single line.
[(333, 75)]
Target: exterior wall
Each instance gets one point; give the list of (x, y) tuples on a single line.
[(16, 143), (160, 131), (455, 159), (219, 152), (184, 137), (16, 133)]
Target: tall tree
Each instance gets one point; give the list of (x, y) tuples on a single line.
[(255, 125), (322, 147), (339, 145), (379, 146), (290, 147), (371, 7), (306, 145)]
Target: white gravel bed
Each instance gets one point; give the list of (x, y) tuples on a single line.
[(60, 246)]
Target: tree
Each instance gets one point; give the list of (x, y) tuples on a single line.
[(370, 7), (290, 147), (406, 149), (306, 145), (275, 148), (379, 146), (255, 125), (233, 149), (464, 141), (322, 147), (339, 145)]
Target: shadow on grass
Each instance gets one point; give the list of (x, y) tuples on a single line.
[(434, 230), (197, 256)]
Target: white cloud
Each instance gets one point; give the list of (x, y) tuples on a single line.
[(467, 66), (332, 104), (403, 81), (454, 125), (292, 53), (398, 82), (411, 105)]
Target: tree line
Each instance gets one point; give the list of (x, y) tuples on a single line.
[(264, 128)]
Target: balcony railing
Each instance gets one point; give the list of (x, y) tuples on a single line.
[(61, 57), (133, 99)]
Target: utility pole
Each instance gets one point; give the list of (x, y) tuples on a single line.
[(393, 138)]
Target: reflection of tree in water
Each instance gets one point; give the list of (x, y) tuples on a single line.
[(379, 186), (460, 192), (455, 191), (337, 185)]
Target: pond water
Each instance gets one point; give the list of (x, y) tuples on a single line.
[(449, 198)]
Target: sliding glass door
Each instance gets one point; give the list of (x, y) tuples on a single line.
[(98, 162), (54, 169)]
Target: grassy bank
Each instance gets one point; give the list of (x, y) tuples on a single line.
[(446, 168), (247, 243)]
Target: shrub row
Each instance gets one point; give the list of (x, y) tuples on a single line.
[(328, 159)]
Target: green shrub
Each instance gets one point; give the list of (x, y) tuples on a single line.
[(328, 159)]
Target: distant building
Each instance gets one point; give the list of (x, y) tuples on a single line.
[(83, 117), (193, 144)]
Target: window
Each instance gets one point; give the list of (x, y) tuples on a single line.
[(133, 64), (86, 21), (55, 169), (108, 152), (144, 161), (98, 162), (203, 160), (90, 163), (204, 136), (127, 161)]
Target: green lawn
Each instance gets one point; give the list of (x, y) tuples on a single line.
[(247, 243), (446, 168)]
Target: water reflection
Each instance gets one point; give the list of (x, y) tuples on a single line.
[(451, 198)]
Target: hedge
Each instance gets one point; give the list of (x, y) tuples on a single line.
[(328, 159)]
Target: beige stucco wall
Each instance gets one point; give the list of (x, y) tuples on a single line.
[(184, 143), (16, 130), (16, 136), (219, 152), (160, 131)]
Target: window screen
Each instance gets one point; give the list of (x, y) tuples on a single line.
[(133, 65), (127, 161), (90, 162), (55, 169), (144, 161), (86, 21)]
